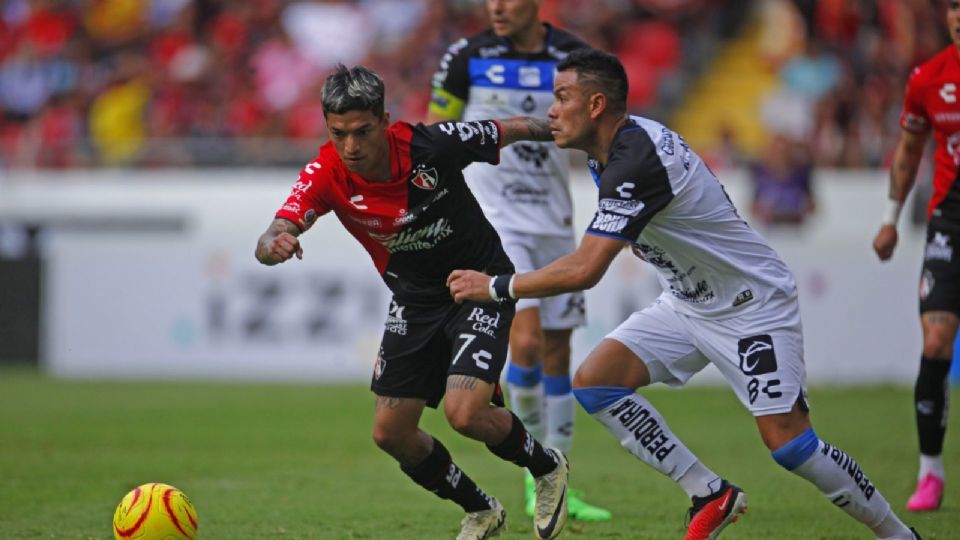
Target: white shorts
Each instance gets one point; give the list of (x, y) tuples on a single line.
[(531, 252), (759, 353)]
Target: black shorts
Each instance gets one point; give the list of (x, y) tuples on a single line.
[(421, 346), (940, 277)]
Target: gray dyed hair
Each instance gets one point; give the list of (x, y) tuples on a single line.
[(354, 89)]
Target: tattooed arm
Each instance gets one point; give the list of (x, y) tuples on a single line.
[(524, 128), (903, 174), (279, 243), (906, 160)]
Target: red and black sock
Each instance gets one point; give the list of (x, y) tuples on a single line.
[(440, 475), (930, 399), (521, 448)]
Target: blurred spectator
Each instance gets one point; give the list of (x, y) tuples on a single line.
[(281, 71), (218, 74), (725, 154), (782, 183), (117, 116), (811, 74)]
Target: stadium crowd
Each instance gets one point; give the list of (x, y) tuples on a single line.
[(844, 66), (213, 82)]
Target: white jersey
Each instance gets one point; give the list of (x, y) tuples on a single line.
[(529, 191), (660, 196)]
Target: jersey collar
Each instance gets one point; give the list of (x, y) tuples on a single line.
[(547, 39)]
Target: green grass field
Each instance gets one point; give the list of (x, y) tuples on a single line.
[(297, 462)]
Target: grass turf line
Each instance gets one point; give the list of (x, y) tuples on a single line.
[(297, 462)]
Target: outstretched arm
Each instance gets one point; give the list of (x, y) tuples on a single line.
[(903, 174), (279, 243), (524, 128), (575, 271)]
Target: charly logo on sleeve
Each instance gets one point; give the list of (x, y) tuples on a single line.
[(625, 190), (949, 92)]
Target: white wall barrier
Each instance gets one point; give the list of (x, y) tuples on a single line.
[(151, 274)]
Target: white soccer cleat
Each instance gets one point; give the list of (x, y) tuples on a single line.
[(483, 524), (551, 509)]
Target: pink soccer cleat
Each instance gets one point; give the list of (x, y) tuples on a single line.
[(928, 495)]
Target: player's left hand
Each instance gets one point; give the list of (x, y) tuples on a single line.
[(469, 285)]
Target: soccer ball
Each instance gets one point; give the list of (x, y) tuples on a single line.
[(155, 512)]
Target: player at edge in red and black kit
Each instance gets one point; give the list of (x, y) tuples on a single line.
[(931, 104), (399, 190)]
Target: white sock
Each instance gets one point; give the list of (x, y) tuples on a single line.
[(893, 524), (931, 465), (560, 410), (842, 481), (527, 403), (643, 432), (699, 481)]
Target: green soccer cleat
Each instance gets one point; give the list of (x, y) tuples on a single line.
[(578, 509), (581, 510), (529, 493)]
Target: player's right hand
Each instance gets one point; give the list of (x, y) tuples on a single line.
[(283, 247), (885, 241)]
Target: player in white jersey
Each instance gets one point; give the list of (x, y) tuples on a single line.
[(728, 300), (504, 71)]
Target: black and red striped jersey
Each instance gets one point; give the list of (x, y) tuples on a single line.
[(931, 102), (424, 222)]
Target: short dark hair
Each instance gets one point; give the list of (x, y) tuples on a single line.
[(352, 89), (602, 70)]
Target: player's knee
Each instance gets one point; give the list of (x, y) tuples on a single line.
[(797, 451), (462, 417), (937, 344), (556, 359), (597, 398), (580, 379), (389, 440), (525, 347), (590, 374), (586, 377)]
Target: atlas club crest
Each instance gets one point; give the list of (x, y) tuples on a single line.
[(425, 179)]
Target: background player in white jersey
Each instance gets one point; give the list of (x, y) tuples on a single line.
[(505, 71), (728, 300)]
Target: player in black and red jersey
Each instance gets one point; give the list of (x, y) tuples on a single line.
[(503, 71), (931, 103), (399, 190)]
